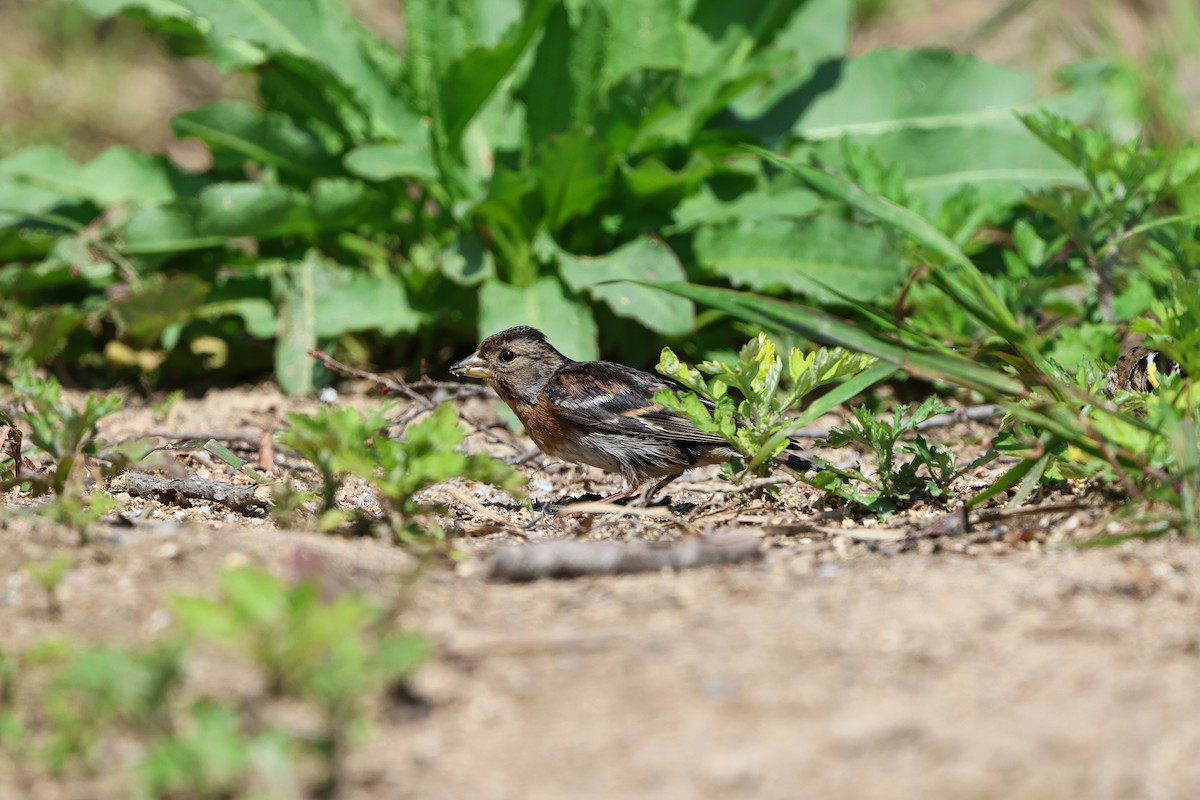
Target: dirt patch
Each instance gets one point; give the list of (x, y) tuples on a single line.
[(852, 660)]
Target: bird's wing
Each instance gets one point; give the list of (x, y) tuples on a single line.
[(617, 399)]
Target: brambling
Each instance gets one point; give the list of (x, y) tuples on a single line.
[(597, 412)]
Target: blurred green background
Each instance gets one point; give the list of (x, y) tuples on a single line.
[(509, 162)]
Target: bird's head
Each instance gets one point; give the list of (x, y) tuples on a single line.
[(516, 362)]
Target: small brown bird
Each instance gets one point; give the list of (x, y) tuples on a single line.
[(597, 412)]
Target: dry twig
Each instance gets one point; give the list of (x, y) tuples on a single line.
[(238, 497), (572, 559)]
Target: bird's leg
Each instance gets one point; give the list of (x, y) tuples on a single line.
[(648, 494), (624, 494)]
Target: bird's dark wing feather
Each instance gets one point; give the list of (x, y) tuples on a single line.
[(614, 398)]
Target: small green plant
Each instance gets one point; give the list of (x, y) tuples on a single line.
[(67, 434), (757, 426), (331, 655), (342, 442), (213, 757), (60, 710), (162, 409), (49, 575), (927, 473)]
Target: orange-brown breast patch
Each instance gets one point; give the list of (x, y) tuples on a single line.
[(548, 429)]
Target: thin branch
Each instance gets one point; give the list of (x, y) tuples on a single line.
[(402, 387), (236, 496), (572, 559)]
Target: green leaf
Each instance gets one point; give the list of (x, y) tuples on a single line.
[(643, 35), (45, 176), (623, 280), (252, 209), (470, 81), (148, 310), (120, 174), (949, 118), (802, 256), (338, 203), (268, 138), (705, 208), (816, 32), (574, 172), (561, 88), (257, 596), (958, 276), (353, 300), (383, 162), (467, 262), (323, 32), (169, 228), (566, 321)]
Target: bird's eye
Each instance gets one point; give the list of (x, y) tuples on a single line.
[(507, 355)]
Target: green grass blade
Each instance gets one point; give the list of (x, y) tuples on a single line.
[(963, 282), (819, 326)]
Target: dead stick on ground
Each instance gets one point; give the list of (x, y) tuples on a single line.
[(572, 559), (164, 490)]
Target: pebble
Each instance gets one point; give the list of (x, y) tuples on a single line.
[(169, 551)]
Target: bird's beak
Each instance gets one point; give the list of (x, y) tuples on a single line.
[(472, 367)]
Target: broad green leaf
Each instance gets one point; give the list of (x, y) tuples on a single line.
[(574, 175), (48, 176), (342, 203), (652, 182), (629, 110), (167, 229), (802, 256), (705, 208), (611, 279), (383, 162), (121, 175), (546, 305), (815, 33), (349, 299), (263, 137), (469, 82), (643, 35), (562, 88), (467, 262), (780, 315), (890, 90), (149, 309), (252, 209), (948, 118), (323, 32)]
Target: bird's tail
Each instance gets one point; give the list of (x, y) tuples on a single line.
[(793, 459)]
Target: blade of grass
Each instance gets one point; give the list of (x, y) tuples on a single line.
[(964, 282), (819, 326)]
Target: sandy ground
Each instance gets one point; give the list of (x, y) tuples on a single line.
[(848, 661)]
